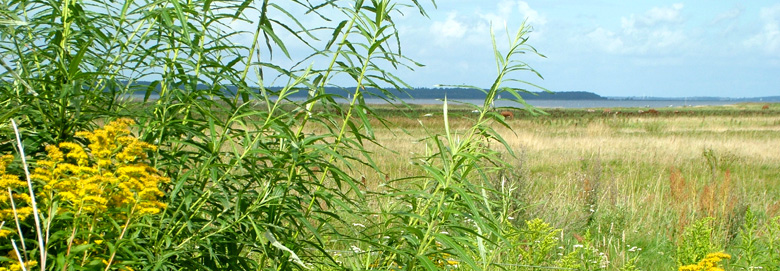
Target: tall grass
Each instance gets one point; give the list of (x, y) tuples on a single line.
[(636, 191), (250, 187)]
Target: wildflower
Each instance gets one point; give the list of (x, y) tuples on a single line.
[(356, 249), (709, 263), (110, 174), (21, 201)]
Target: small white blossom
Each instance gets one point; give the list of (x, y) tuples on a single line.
[(356, 249)]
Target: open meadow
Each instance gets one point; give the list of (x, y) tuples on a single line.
[(201, 135), (632, 181)]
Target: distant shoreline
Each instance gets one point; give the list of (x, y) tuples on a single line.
[(455, 93), (571, 103)]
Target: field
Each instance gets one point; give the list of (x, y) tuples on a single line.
[(632, 180), (218, 172)]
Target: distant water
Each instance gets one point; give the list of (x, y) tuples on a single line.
[(575, 103), (553, 103)]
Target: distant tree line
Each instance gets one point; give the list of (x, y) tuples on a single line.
[(463, 93), (455, 93)]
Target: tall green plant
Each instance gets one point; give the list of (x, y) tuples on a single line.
[(251, 186), (450, 218)]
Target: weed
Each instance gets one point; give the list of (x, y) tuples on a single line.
[(708, 263), (695, 242)]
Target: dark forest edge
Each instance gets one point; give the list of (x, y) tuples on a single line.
[(144, 87)]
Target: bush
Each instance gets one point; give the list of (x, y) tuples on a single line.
[(226, 174)]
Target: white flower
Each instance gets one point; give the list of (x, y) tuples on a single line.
[(356, 249), (358, 225), (578, 246)]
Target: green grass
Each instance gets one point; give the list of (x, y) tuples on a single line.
[(260, 183), (622, 168)]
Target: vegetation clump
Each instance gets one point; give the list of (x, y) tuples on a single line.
[(222, 173)]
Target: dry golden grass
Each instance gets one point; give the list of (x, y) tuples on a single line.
[(649, 172)]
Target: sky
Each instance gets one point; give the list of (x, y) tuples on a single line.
[(613, 48)]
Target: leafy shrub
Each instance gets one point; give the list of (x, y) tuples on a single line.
[(708, 263), (696, 242), (226, 174)]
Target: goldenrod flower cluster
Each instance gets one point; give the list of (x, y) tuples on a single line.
[(21, 201), (709, 263), (111, 174), (16, 266)]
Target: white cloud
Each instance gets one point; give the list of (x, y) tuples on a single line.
[(769, 38), (658, 31), (653, 17), (473, 27), (449, 29), (728, 15), (533, 16), (606, 39), (663, 14), (510, 14)]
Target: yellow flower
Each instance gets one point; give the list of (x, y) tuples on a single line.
[(20, 200), (709, 263), (110, 173), (110, 177)]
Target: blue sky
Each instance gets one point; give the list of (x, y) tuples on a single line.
[(612, 48)]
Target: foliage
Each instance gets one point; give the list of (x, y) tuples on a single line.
[(251, 186), (695, 242), (540, 240), (773, 245), (585, 256), (708, 263), (94, 198), (225, 174), (751, 254)]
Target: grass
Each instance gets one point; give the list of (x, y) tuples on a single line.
[(246, 180), (614, 175)]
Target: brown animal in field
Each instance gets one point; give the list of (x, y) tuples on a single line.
[(652, 111), (765, 107), (607, 111), (508, 114)]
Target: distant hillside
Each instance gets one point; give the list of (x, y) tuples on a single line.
[(460, 94)]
